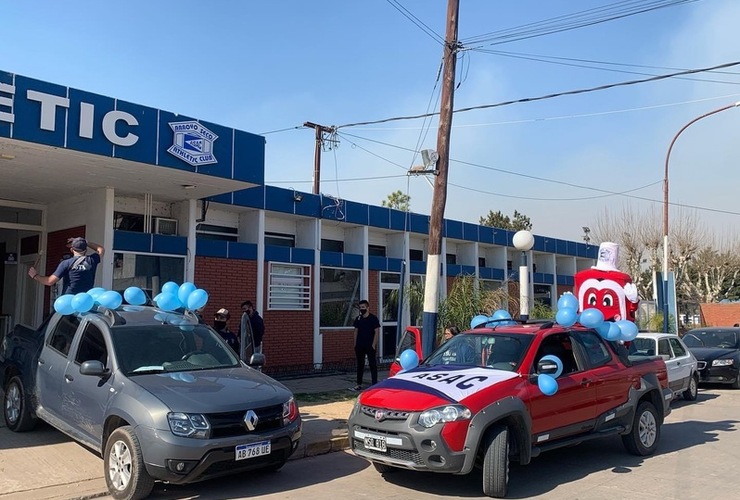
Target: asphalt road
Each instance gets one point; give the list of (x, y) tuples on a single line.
[(697, 459)]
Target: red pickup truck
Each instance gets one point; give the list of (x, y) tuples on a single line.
[(476, 401)]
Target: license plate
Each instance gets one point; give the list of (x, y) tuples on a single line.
[(247, 451), (376, 443)]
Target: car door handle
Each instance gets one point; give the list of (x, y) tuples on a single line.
[(68, 378), (586, 382), (41, 361)]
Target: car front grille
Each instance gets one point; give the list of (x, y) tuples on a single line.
[(700, 365), (384, 414), (232, 423), (392, 453)]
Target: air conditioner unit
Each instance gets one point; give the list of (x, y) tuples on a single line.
[(163, 225)]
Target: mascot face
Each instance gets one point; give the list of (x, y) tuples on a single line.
[(604, 295)]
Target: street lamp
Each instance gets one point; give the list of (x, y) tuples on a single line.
[(665, 208), (523, 241)]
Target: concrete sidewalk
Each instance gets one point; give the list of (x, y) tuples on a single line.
[(45, 464)]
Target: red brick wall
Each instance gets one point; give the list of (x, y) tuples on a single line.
[(229, 282), (373, 291), (338, 345), (56, 249)]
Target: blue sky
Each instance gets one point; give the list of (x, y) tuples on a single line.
[(265, 66)]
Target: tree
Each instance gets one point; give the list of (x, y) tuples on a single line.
[(397, 200), (517, 222)]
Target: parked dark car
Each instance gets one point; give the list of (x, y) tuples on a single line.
[(717, 350)]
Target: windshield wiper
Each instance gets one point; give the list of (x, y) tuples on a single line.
[(146, 370)]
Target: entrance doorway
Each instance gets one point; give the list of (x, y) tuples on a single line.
[(390, 284)]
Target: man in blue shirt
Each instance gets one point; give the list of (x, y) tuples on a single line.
[(78, 272)]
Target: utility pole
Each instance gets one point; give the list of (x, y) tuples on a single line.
[(320, 130), (439, 199)]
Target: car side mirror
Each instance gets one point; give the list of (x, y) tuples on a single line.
[(546, 367), (94, 368), (257, 359)]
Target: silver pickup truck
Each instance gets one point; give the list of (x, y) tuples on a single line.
[(158, 394)]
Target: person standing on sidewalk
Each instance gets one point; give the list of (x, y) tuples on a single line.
[(78, 272), (367, 327), (251, 320)]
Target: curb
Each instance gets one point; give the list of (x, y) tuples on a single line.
[(339, 443)]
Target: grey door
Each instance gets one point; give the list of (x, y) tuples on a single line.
[(53, 362)]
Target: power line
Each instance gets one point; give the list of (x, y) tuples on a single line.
[(282, 130), (416, 21), (353, 179), (549, 96)]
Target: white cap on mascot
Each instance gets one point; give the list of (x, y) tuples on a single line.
[(608, 257)]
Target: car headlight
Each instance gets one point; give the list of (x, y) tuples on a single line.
[(193, 425), (444, 414), (723, 362), (290, 411)]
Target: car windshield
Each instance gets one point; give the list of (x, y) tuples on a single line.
[(724, 339), (500, 351), (142, 349)]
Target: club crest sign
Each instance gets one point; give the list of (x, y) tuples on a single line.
[(192, 143)]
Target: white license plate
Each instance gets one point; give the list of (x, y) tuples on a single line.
[(376, 443), (247, 451)]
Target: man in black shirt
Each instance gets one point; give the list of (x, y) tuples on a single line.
[(366, 326)]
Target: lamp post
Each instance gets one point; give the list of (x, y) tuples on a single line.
[(523, 241), (665, 207)]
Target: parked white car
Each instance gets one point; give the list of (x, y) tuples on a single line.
[(683, 376)]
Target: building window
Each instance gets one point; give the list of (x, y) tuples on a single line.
[(146, 271), (214, 232), (124, 221), (376, 250), (280, 240), (289, 287), (451, 259), (340, 293), (332, 245), (481, 262), (416, 255)]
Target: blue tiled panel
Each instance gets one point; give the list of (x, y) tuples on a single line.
[(356, 213), (279, 200), (394, 265), (498, 274), (582, 250), (453, 229), (485, 273), (227, 198), (310, 206), (277, 254), (592, 251), (377, 263), (470, 231), (302, 255), (539, 243), (352, 260), (333, 259), (417, 267), (211, 248), (249, 157), (380, 217), (132, 241), (177, 245), (485, 234), (565, 280), (420, 223), (562, 247), (399, 220), (253, 197), (550, 245), (572, 248), (244, 251), (454, 270), (544, 278), (501, 237), (467, 270)]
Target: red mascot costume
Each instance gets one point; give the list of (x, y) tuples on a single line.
[(606, 288)]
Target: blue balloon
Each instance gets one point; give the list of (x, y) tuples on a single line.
[(480, 319), (409, 359), (63, 304), (95, 292), (501, 314), (566, 316), (168, 302), (568, 300), (547, 384), (556, 360), (628, 330), (170, 287), (156, 298), (134, 296), (603, 329), (592, 317), (82, 302), (614, 331), (184, 292), (197, 299), (110, 299)]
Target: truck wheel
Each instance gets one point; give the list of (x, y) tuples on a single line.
[(645, 434), (125, 473), (18, 417), (383, 468), (496, 463), (692, 391)]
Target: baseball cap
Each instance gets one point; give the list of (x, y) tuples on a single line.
[(223, 313), (79, 244)]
